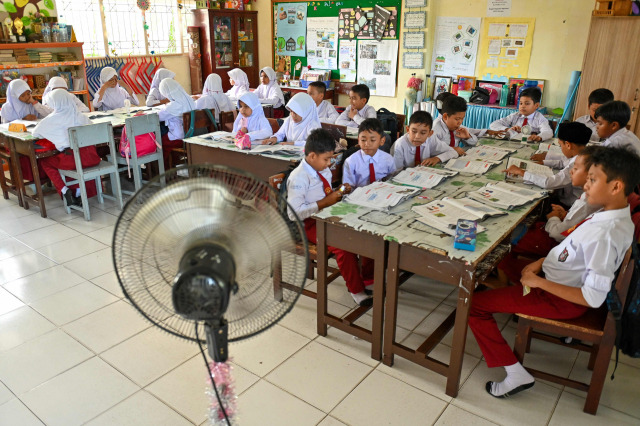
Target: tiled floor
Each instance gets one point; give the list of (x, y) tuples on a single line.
[(74, 351)]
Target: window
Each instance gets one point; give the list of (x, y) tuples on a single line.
[(84, 15)]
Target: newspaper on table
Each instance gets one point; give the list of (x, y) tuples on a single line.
[(529, 166), (552, 147), (444, 214), (505, 195), (488, 153), (421, 177), (281, 150), (381, 195), (471, 165), (220, 137)]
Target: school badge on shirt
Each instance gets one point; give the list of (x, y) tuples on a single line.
[(563, 256), (327, 191)]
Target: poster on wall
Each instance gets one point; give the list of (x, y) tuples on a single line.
[(292, 29), (506, 47), (377, 66), (322, 42), (347, 60), (455, 46)]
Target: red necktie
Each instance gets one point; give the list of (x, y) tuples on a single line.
[(570, 230), (372, 173), (325, 184), (418, 160), (452, 144), (525, 122)]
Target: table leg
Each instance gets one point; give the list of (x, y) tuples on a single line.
[(465, 294), (391, 302), (16, 173), (378, 302), (36, 181), (323, 303)]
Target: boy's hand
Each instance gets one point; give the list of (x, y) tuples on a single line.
[(459, 150), (330, 199), (516, 129), (244, 130), (430, 161), (353, 113), (347, 188), (30, 117), (514, 170), (462, 133), (539, 158), (497, 133), (533, 268), (557, 211), (534, 138), (271, 141)]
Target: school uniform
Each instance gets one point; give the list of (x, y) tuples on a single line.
[(361, 169), (405, 154), (241, 85), (113, 97), (623, 138), (155, 96), (367, 112), (539, 124), (15, 109), (257, 125), (305, 187), (591, 124), (59, 82), (327, 112), (555, 160), (171, 115), (270, 93), (213, 97), (587, 259), (579, 210), (560, 181), (442, 133), (303, 105)]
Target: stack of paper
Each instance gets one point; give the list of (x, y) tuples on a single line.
[(471, 165), (380, 195), (7, 58), (488, 153), (444, 214), (528, 166), (505, 196), (422, 177)]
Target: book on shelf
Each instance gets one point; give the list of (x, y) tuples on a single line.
[(420, 177), (381, 195), (505, 196), (472, 165), (444, 214), (526, 165)]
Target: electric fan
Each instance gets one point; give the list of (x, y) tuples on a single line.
[(196, 250), (526, 131)]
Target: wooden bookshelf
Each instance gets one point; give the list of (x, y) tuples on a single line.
[(40, 65), (74, 92)]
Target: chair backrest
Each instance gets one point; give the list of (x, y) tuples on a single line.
[(274, 125), (143, 124), (624, 275), (91, 135), (634, 206), (203, 122), (336, 130), (401, 118), (226, 120), (275, 181)]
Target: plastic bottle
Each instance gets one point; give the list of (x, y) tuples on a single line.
[(504, 95), (46, 33), (127, 106), (454, 87), (63, 32), (55, 33), (511, 100)]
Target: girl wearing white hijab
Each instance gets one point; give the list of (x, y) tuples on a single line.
[(213, 97), (55, 128), (269, 92), (171, 114), (113, 92), (251, 119), (60, 83), (240, 82), (155, 97), (20, 105), (302, 120)]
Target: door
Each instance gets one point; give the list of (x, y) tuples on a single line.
[(222, 41)]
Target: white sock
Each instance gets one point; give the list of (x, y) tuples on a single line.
[(516, 376), (64, 190), (78, 192), (360, 297)]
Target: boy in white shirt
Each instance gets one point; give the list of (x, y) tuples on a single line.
[(447, 128), (369, 164), (358, 109), (527, 115), (309, 191), (612, 119), (573, 138), (577, 273), (326, 112)]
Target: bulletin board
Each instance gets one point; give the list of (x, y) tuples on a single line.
[(455, 46), (505, 47)]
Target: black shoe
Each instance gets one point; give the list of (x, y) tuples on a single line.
[(368, 292), (367, 302), (511, 392), (71, 199)]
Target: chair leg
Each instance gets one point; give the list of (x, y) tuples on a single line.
[(85, 199), (523, 340), (64, 200), (277, 278), (592, 356), (311, 270), (600, 368), (137, 176), (116, 189), (99, 190)]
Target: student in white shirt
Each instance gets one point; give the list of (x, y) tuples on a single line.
[(358, 109), (155, 97), (527, 115), (597, 98), (171, 115), (302, 120), (268, 91), (326, 112), (309, 191), (251, 119), (59, 83), (448, 129), (20, 105), (113, 92), (213, 97), (578, 272), (573, 138), (369, 164), (240, 83), (612, 119)]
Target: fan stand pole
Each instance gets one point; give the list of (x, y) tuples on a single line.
[(217, 335)]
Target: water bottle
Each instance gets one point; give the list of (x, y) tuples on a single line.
[(55, 33), (504, 94), (62, 27), (46, 33), (127, 106)]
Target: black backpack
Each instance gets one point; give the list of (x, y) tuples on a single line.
[(389, 122), (480, 96)]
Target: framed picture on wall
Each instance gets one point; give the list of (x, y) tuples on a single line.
[(469, 82), (441, 84)]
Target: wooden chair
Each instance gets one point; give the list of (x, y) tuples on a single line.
[(91, 135), (194, 123), (276, 181), (274, 125), (596, 326), (226, 120), (9, 185), (401, 126)]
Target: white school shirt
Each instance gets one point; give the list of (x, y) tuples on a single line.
[(356, 168), (327, 112), (284, 132), (555, 160), (304, 190), (539, 124), (119, 97), (560, 180), (404, 152), (367, 112), (589, 257), (623, 138), (39, 110), (579, 210), (175, 125), (588, 121), (270, 94), (441, 133)]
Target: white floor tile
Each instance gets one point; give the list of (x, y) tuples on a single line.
[(139, 410), (59, 214), (107, 327), (47, 236), (266, 351), (10, 210), (331, 421), (16, 413), (92, 265), (79, 394), (25, 224), (265, 404), (109, 282), (381, 399), (10, 247), (103, 235), (99, 220), (5, 394), (43, 283), (569, 411), (428, 288), (73, 303), (454, 416), (8, 302), (36, 361), (72, 248), (22, 265), (328, 375), (138, 359), (303, 319), (21, 325)]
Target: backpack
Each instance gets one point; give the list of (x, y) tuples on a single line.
[(145, 144), (480, 96), (389, 122)]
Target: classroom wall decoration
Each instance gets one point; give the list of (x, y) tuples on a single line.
[(292, 28), (455, 46), (505, 47), (377, 65), (322, 42), (347, 60)]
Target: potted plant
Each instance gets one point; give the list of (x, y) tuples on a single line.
[(36, 22)]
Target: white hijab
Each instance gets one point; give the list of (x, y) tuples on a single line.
[(180, 102), (113, 97), (303, 105), (55, 126), (14, 108), (213, 89), (54, 83), (158, 77), (256, 120), (272, 88), (241, 81)]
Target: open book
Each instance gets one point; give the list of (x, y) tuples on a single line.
[(529, 166), (281, 150), (470, 165), (549, 147), (421, 177), (444, 214), (380, 195), (488, 153), (505, 196), (220, 137)]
